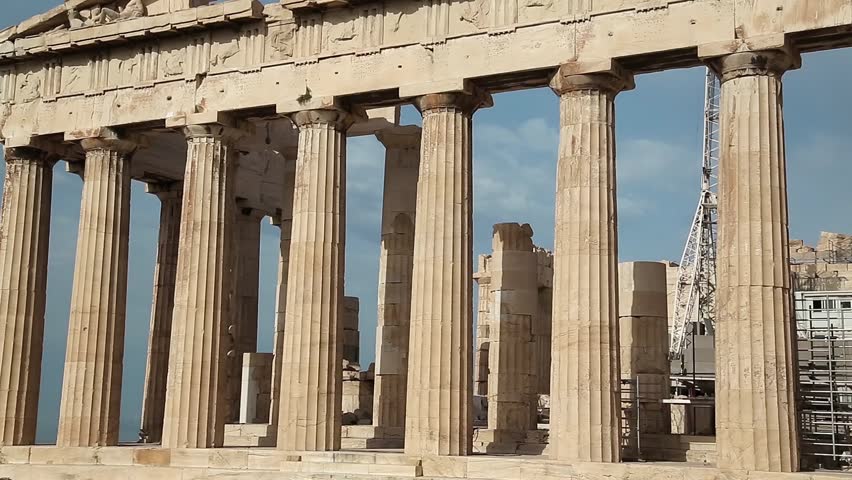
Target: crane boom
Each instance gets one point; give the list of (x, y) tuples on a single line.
[(695, 295)]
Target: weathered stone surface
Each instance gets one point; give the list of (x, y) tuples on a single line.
[(351, 335), (756, 423), (643, 354), (311, 380), (91, 386), (402, 158), (142, 64), (204, 310), (584, 414), (159, 337), (285, 224), (438, 406), (512, 399), (24, 240), (246, 303), (245, 464)]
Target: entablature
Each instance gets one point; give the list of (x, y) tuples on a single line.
[(251, 58)]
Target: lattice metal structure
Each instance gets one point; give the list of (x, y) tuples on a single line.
[(824, 329), (695, 297)]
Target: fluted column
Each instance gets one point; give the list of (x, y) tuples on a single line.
[(24, 236), (204, 291), (756, 419), (91, 388), (514, 292), (311, 380), (165, 271), (248, 281), (585, 384), (440, 376), (285, 223), (402, 158)]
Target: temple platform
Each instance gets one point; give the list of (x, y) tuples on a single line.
[(147, 463)]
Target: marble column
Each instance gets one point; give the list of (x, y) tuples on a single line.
[(91, 388), (165, 271), (25, 233), (284, 221), (482, 277), (248, 281), (756, 371), (440, 378), (204, 291), (312, 375), (644, 345), (585, 385), (512, 399), (402, 158)]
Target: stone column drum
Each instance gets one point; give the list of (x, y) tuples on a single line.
[(482, 277), (584, 414), (25, 234), (440, 378), (756, 420), (512, 398), (91, 387), (644, 342), (402, 159), (244, 334), (285, 223), (165, 271), (204, 291), (312, 364)]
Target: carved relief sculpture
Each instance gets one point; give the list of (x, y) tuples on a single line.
[(101, 15)]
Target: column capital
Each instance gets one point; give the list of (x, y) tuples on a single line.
[(246, 211), (224, 133), (116, 144), (608, 75), (340, 118), (512, 237), (165, 190), (407, 136), (468, 101), (770, 62), (29, 154)]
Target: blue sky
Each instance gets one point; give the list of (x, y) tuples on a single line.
[(659, 127)]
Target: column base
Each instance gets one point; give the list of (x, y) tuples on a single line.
[(370, 436), (533, 442), (250, 435)]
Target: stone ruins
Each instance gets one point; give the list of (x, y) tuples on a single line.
[(232, 111)]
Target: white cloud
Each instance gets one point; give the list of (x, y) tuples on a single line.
[(655, 163)]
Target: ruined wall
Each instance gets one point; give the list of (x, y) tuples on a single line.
[(828, 267)]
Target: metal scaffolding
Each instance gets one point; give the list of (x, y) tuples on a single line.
[(824, 324)]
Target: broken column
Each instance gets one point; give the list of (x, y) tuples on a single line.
[(585, 395), (25, 234), (757, 425), (514, 297), (643, 342), (402, 158), (440, 380)]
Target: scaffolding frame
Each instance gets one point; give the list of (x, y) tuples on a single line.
[(824, 331)]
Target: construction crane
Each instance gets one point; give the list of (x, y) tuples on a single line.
[(695, 297)]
